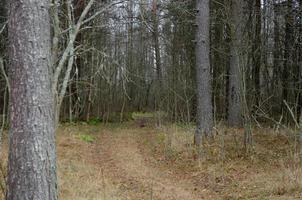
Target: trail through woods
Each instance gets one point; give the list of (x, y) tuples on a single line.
[(132, 163), (138, 177)]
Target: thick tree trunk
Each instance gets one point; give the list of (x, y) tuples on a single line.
[(203, 69), (32, 155)]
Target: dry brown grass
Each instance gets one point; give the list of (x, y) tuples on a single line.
[(272, 171), (79, 176), (225, 171)]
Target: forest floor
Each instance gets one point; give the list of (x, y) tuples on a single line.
[(129, 162)]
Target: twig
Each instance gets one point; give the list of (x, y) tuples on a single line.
[(101, 11), (3, 28), (292, 114)]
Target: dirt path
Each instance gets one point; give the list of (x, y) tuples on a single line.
[(132, 163), (123, 163)]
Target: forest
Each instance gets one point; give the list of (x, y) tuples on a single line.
[(150, 99)]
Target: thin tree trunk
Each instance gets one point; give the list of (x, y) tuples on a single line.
[(32, 155), (299, 106), (155, 34), (156, 41), (234, 104), (288, 57), (238, 107), (257, 51)]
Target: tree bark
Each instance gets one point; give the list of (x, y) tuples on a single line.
[(203, 69), (257, 51), (234, 104), (156, 40), (32, 154)]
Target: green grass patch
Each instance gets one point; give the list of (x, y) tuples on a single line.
[(140, 115), (94, 121), (87, 138)]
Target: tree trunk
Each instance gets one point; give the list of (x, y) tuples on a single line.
[(234, 104), (204, 90), (288, 57), (156, 40), (32, 155), (155, 34), (257, 51), (277, 60), (299, 66)]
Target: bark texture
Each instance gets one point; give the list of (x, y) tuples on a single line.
[(32, 157), (204, 89), (234, 104)]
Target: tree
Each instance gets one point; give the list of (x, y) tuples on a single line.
[(32, 154), (155, 33), (204, 90), (288, 56), (219, 56), (238, 106), (234, 104), (257, 50)]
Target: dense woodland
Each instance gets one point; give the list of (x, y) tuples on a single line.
[(139, 56), (201, 63)]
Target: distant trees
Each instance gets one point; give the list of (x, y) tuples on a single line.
[(241, 63), (285, 47), (32, 154), (140, 56), (163, 32)]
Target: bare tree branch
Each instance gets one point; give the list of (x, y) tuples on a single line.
[(70, 45)]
